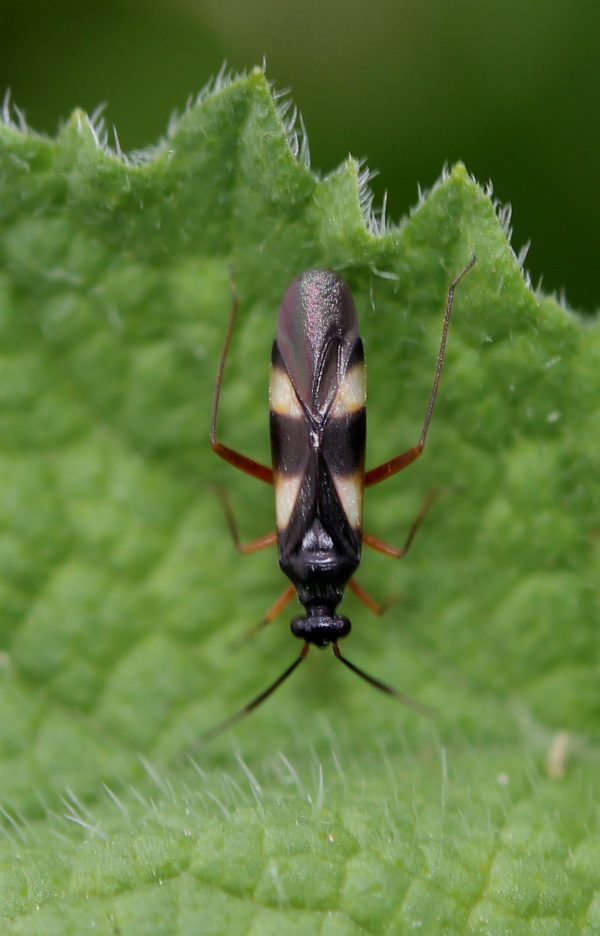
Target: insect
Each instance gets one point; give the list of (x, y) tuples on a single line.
[(318, 441)]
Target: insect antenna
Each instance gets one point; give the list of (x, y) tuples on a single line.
[(410, 703), (254, 703)]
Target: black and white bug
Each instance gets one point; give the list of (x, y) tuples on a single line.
[(318, 441)]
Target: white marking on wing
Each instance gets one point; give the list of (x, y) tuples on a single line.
[(283, 396), (350, 492), (287, 488), (352, 393)]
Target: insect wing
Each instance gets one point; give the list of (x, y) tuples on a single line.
[(318, 415), (344, 437), (290, 441), (317, 327)]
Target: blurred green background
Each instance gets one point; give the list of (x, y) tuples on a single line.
[(511, 87)]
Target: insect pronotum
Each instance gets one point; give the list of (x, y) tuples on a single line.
[(318, 439)]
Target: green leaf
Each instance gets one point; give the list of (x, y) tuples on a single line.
[(331, 810)]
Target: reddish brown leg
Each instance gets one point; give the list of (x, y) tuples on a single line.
[(394, 465), (278, 606), (364, 596), (248, 465), (275, 609), (383, 547), (261, 542)]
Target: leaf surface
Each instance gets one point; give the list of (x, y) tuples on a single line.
[(332, 810)]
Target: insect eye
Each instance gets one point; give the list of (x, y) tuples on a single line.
[(301, 627), (342, 626)]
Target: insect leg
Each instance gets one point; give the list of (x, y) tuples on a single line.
[(381, 546), (261, 542), (278, 606), (394, 465), (275, 609), (248, 465), (363, 595), (387, 548)]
